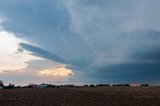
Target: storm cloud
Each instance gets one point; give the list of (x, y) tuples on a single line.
[(42, 53), (107, 41)]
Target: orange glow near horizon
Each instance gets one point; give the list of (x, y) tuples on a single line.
[(58, 71)]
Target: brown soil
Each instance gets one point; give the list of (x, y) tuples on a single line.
[(96, 96)]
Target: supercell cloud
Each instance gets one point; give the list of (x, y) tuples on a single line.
[(100, 41)]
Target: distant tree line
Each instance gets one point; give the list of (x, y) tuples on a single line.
[(144, 84), (43, 85)]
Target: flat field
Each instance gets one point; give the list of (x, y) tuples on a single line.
[(81, 96)]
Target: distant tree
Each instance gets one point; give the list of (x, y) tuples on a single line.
[(69, 86), (31, 85), (107, 84), (1, 83), (61, 86), (102, 85), (144, 84), (51, 86), (92, 85), (117, 85), (10, 86), (17, 86), (85, 85), (126, 85)]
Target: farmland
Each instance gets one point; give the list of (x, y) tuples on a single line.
[(81, 96)]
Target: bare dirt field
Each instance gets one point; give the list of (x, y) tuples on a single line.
[(82, 96)]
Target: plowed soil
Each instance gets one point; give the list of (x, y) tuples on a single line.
[(82, 96)]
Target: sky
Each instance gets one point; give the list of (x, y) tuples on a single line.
[(80, 41)]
